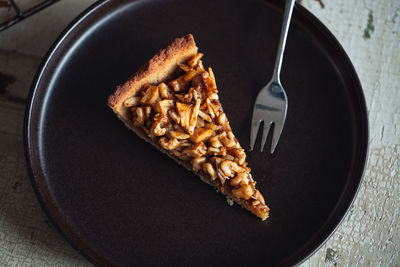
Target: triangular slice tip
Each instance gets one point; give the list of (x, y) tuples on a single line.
[(172, 103)]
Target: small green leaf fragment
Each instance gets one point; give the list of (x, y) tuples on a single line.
[(330, 255), (369, 29)]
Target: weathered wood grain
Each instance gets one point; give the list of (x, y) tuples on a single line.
[(369, 235)]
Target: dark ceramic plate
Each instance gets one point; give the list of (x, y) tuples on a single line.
[(121, 202)]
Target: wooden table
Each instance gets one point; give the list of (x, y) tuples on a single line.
[(370, 234)]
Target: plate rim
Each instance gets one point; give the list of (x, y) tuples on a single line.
[(55, 216)]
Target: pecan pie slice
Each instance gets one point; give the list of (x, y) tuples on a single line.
[(172, 103)]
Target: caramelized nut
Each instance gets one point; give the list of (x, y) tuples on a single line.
[(257, 195), (200, 123), (196, 163), (221, 135), (240, 177), (209, 108), (168, 144), (195, 151), (216, 161), (213, 96), (211, 74), (222, 119), (139, 120), (214, 142), (185, 143), (243, 192), (192, 94), (193, 116), (178, 84), (197, 93), (189, 75), (165, 91), (208, 168), (175, 85), (159, 121), (209, 83), (212, 126), (174, 116), (147, 112), (132, 101), (240, 155), (230, 135), (229, 157), (201, 135), (151, 95), (228, 142), (195, 59), (163, 106), (204, 116), (184, 111), (222, 177), (221, 151), (177, 135), (213, 106), (199, 66), (213, 151), (229, 167)]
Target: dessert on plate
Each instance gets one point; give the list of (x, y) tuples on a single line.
[(172, 103)]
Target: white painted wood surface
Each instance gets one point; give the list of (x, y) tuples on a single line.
[(369, 235)]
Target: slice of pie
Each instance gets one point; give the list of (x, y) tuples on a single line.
[(172, 103)]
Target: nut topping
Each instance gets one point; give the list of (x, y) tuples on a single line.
[(168, 144), (163, 106), (177, 135), (174, 117), (196, 150), (151, 95), (186, 118), (239, 178), (229, 167), (184, 112), (194, 61), (139, 120), (193, 116), (222, 119), (244, 192), (165, 92), (159, 122), (132, 101), (178, 84), (208, 168), (214, 142), (196, 163), (212, 126), (204, 116), (201, 135)]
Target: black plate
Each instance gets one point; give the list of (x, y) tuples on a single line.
[(121, 202)]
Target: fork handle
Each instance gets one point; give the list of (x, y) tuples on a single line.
[(282, 42)]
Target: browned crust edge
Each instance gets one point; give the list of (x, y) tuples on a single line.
[(157, 69)]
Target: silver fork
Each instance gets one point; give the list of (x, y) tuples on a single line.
[(271, 103)]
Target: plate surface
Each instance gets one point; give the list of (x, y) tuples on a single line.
[(121, 202)]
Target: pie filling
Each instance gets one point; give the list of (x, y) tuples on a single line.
[(185, 117)]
